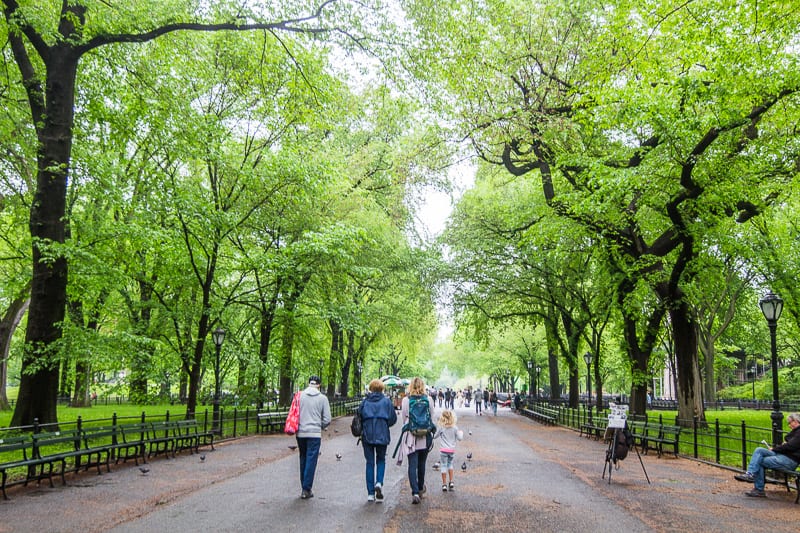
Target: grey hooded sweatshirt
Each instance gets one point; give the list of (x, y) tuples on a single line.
[(315, 413)]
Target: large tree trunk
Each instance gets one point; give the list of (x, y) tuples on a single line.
[(690, 399), (8, 325), (38, 391), (264, 339)]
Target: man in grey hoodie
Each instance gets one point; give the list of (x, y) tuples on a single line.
[(315, 415)]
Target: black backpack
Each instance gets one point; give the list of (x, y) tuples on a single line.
[(356, 426)]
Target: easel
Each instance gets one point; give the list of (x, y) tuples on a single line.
[(617, 420)]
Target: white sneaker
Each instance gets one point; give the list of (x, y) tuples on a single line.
[(371, 498), (378, 492)]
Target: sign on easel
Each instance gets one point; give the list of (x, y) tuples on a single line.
[(617, 415)]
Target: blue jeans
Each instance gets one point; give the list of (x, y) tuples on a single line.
[(375, 456), (309, 452), (416, 470), (763, 458), (477, 406), (494, 408)]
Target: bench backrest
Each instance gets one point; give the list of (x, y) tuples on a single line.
[(186, 428), (101, 435), (11, 447), (134, 433), (165, 429), (53, 442)]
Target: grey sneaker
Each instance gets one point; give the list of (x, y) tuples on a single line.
[(755, 493), (378, 492), (370, 497), (415, 498), (306, 494), (746, 477), (378, 497)]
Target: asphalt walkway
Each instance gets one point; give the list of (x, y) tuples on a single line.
[(522, 476)]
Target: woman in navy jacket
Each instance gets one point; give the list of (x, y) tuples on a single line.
[(377, 415)]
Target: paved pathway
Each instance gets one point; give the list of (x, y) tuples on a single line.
[(523, 476)]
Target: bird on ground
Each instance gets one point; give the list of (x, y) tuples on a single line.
[(203, 457), (436, 465), (464, 466), (469, 456), (144, 470), (470, 432), (292, 446), (338, 456)]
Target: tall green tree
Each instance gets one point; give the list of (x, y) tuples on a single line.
[(47, 43)]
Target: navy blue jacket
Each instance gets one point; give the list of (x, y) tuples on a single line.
[(378, 415)]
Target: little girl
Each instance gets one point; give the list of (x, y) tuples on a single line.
[(449, 434)]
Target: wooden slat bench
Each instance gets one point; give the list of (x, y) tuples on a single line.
[(271, 421)]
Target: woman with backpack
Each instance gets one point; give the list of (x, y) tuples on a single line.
[(417, 436), (377, 416)]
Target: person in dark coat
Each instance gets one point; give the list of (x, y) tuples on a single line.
[(784, 456), (377, 415)]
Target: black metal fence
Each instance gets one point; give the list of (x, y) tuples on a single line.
[(234, 422), (723, 444)]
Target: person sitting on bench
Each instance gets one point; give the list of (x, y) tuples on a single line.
[(785, 456)]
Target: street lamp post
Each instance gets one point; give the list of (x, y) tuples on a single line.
[(530, 377), (587, 357), (508, 380), (754, 370), (218, 336), (359, 366), (772, 305), (538, 371)]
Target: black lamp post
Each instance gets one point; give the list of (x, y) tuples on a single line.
[(587, 357), (538, 371), (508, 380), (360, 366), (754, 369), (772, 305), (218, 336), (530, 377)]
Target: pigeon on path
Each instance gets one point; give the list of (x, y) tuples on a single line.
[(338, 456), (469, 456), (144, 470), (464, 466)]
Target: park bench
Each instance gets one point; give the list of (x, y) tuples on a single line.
[(134, 443), (188, 436), (638, 431), (540, 414), (782, 477), (271, 421), (17, 453), (62, 447), (113, 439), (161, 438), (657, 436), (595, 428)]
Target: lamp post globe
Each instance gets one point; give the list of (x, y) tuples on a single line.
[(771, 306), (587, 358), (218, 336)]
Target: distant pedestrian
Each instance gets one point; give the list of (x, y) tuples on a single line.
[(517, 401), (415, 448), (493, 401), (478, 401), (448, 434), (377, 415), (441, 397), (315, 415), (485, 398)]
